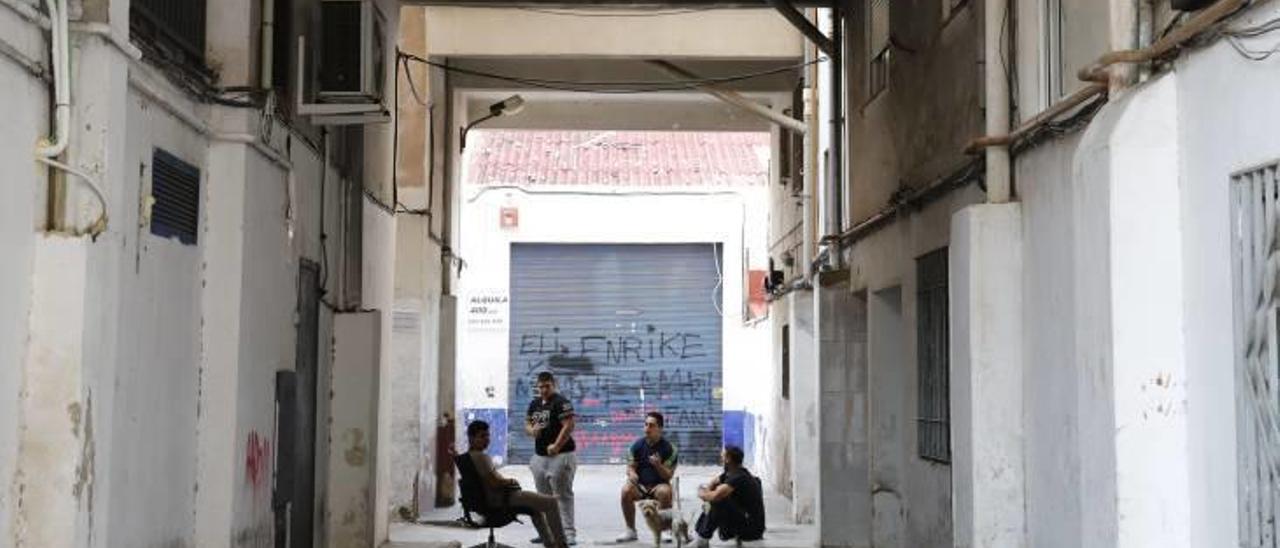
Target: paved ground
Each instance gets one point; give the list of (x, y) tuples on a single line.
[(599, 516)]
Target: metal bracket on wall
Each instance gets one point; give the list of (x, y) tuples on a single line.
[(805, 26)]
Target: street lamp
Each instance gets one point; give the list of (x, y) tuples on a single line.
[(506, 107)]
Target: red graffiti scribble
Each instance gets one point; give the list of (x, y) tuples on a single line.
[(617, 443), (257, 461)]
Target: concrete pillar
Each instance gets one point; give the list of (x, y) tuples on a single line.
[(69, 365), (1131, 324), (414, 369), (988, 476), (844, 490), (349, 517), (804, 408), (221, 305)]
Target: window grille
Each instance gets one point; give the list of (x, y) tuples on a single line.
[(1256, 253), (933, 421)]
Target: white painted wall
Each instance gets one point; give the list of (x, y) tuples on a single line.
[(1218, 135), (735, 216), (19, 217), (156, 360)]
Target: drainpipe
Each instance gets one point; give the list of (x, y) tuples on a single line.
[(809, 210), (268, 41), (999, 188), (835, 179), (1124, 35), (59, 55)]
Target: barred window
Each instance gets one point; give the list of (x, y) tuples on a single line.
[(932, 357), (878, 50), (174, 28)]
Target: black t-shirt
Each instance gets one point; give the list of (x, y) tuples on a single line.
[(640, 453), (748, 498), (550, 415)]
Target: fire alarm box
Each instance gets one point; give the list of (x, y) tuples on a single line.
[(509, 217)]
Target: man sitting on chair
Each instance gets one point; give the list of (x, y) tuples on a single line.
[(649, 471), (500, 491)]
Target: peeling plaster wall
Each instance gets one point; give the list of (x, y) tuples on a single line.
[(267, 338), (153, 432), (24, 122), (913, 506)]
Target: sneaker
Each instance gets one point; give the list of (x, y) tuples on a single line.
[(573, 541), (700, 542), (629, 536), (535, 540)]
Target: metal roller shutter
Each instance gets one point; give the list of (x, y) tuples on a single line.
[(626, 329)]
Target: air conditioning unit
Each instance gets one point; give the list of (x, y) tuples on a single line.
[(354, 52)]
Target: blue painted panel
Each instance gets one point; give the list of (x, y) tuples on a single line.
[(734, 422), (626, 329), (497, 419)]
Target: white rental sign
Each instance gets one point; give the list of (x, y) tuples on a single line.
[(487, 309)]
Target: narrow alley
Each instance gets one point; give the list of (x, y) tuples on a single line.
[(909, 273)]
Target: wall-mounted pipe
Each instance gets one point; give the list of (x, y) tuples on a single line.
[(60, 52), (734, 98), (809, 210), (999, 168), (268, 33), (835, 176), (1045, 116), (1096, 71)]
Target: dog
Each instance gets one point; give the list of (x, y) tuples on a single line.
[(660, 520)]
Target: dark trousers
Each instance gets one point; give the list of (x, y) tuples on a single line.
[(730, 519)]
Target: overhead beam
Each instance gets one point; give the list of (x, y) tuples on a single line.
[(806, 27), (613, 4)]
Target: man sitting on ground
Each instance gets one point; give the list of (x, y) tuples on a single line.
[(650, 468), (500, 491), (734, 503)]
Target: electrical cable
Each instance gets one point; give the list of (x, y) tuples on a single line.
[(413, 87), (99, 225), (1236, 39), (611, 87)]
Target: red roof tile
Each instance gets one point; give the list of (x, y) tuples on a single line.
[(617, 158)]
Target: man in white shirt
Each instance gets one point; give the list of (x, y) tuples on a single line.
[(543, 510)]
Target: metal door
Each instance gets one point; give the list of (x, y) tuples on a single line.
[(626, 329)]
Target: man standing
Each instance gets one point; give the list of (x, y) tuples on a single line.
[(734, 503), (550, 421), (651, 465)]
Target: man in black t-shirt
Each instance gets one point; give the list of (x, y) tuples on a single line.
[(734, 503), (550, 421)]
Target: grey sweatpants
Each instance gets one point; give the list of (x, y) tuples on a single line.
[(544, 512), (554, 476)]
